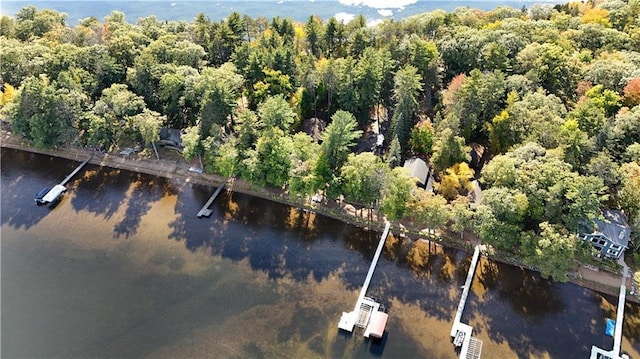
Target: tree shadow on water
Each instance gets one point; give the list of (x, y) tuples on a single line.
[(528, 312), (277, 239), (147, 190), (23, 175)]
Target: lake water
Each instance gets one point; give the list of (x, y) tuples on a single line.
[(298, 10), (122, 267)]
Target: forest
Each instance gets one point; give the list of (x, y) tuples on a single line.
[(550, 93)]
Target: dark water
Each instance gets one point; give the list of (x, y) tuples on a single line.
[(122, 267), (298, 10)]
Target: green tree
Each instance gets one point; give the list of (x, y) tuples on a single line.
[(602, 166), (148, 124), (477, 101), (632, 153), (218, 89), (575, 144), (270, 163), (508, 205), (550, 66), (421, 139), (500, 234), (624, 132), (428, 210), (396, 193), (394, 156), (43, 114), (192, 143), (337, 139), (313, 29), (117, 106), (363, 178), (275, 112), (628, 194), (406, 89), (554, 252), (461, 215), (303, 180), (448, 150)]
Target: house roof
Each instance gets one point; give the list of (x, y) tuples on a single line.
[(172, 135), (614, 227), (418, 169), (314, 127)]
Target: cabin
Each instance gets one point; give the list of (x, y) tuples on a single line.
[(419, 169), (171, 137), (610, 235)]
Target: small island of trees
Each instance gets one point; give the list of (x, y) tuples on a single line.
[(550, 93)]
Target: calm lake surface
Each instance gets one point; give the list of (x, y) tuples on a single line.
[(122, 267)]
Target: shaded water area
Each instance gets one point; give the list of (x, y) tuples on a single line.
[(122, 267)]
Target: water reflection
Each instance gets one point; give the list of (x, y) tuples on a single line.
[(257, 279)]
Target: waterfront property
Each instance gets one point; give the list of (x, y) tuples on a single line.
[(610, 236)]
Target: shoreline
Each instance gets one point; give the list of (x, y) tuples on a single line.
[(179, 169)]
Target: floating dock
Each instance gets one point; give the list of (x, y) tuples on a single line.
[(470, 348), (366, 307), (56, 192), (599, 353), (205, 211)]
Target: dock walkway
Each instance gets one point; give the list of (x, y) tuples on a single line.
[(599, 353), (470, 347), (53, 195), (205, 211), (80, 166), (364, 306)]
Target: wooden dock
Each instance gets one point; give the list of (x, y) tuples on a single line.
[(364, 306), (205, 211), (597, 352), (470, 347), (54, 194), (80, 166)]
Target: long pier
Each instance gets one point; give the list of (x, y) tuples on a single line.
[(470, 347), (599, 353), (364, 306), (54, 193), (205, 211), (80, 166)]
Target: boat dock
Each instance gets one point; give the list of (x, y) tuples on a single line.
[(599, 353), (54, 193), (362, 311), (80, 166), (205, 211), (469, 347)]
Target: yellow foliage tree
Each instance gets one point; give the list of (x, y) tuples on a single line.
[(596, 16), (7, 94), (456, 181)]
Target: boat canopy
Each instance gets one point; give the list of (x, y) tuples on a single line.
[(377, 324)]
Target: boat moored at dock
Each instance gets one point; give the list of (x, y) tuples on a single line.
[(52, 195)]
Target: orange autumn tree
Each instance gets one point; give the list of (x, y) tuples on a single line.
[(632, 92)]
